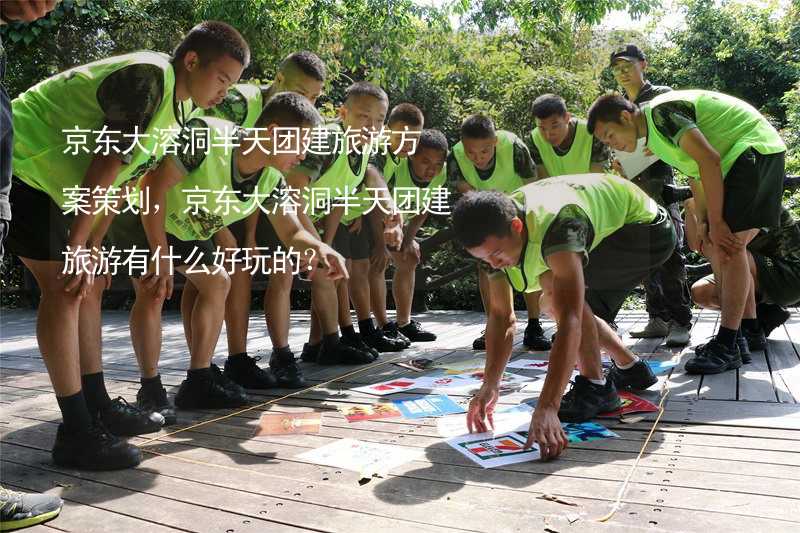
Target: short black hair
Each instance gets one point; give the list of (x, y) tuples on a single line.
[(607, 108), (433, 139), (408, 113), (306, 62), (212, 39), (548, 105), (289, 110), (365, 88), (479, 215), (477, 126)]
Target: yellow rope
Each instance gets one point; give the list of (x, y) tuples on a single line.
[(618, 502)]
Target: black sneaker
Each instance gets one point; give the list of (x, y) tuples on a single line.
[(415, 333), (744, 349), (344, 354), (126, 420), (391, 330), (357, 342), (376, 339), (287, 374), (637, 377), (770, 316), (243, 370), (585, 400), (19, 509), (219, 377), (713, 358), (203, 393), (155, 399), (480, 342), (534, 338), (756, 340), (310, 352), (94, 449)]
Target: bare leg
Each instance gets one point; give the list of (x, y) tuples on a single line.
[(145, 324), (589, 363), (532, 302), (237, 311), (207, 315), (359, 288), (188, 299), (403, 285), (277, 304), (90, 327)]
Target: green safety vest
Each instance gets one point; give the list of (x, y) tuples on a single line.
[(504, 178), (339, 176), (68, 100), (251, 94), (214, 174), (577, 160), (403, 179), (609, 201), (730, 125), (390, 166)]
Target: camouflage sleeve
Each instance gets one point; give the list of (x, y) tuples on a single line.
[(129, 98), (674, 118), (454, 174), (320, 156), (600, 152), (536, 156), (570, 231), (523, 164), (193, 143), (233, 107)]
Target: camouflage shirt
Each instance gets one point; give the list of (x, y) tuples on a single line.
[(523, 165), (673, 119), (316, 164), (234, 106), (129, 98), (570, 231)]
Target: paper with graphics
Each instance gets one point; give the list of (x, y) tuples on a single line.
[(288, 423), (357, 413), (389, 387), (660, 367), (492, 450), (445, 382), (529, 364), (630, 404), (634, 163), (516, 418), (587, 431), (430, 405), (366, 458), (459, 367)]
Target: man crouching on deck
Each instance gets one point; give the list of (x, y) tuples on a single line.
[(586, 241)]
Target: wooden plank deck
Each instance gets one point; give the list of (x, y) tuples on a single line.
[(725, 455)]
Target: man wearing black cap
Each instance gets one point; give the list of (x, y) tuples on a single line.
[(668, 297)]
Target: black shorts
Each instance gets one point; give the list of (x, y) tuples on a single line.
[(40, 229), (127, 231), (623, 260), (265, 234), (354, 245), (754, 191)]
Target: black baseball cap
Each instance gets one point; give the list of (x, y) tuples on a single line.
[(628, 52)]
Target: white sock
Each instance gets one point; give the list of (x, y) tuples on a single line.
[(629, 365), (601, 382)]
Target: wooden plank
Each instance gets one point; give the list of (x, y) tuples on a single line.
[(785, 363), (755, 380), (751, 414)]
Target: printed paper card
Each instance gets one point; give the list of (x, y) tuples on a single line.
[(458, 367), (366, 458), (587, 431), (390, 387), (630, 404), (430, 405), (443, 382), (288, 423), (356, 413), (529, 364), (515, 418), (660, 367), (493, 450)]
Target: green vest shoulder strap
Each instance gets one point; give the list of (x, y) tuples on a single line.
[(255, 103), (577, 160), (214, 199), (504, 178), (43, 156)]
